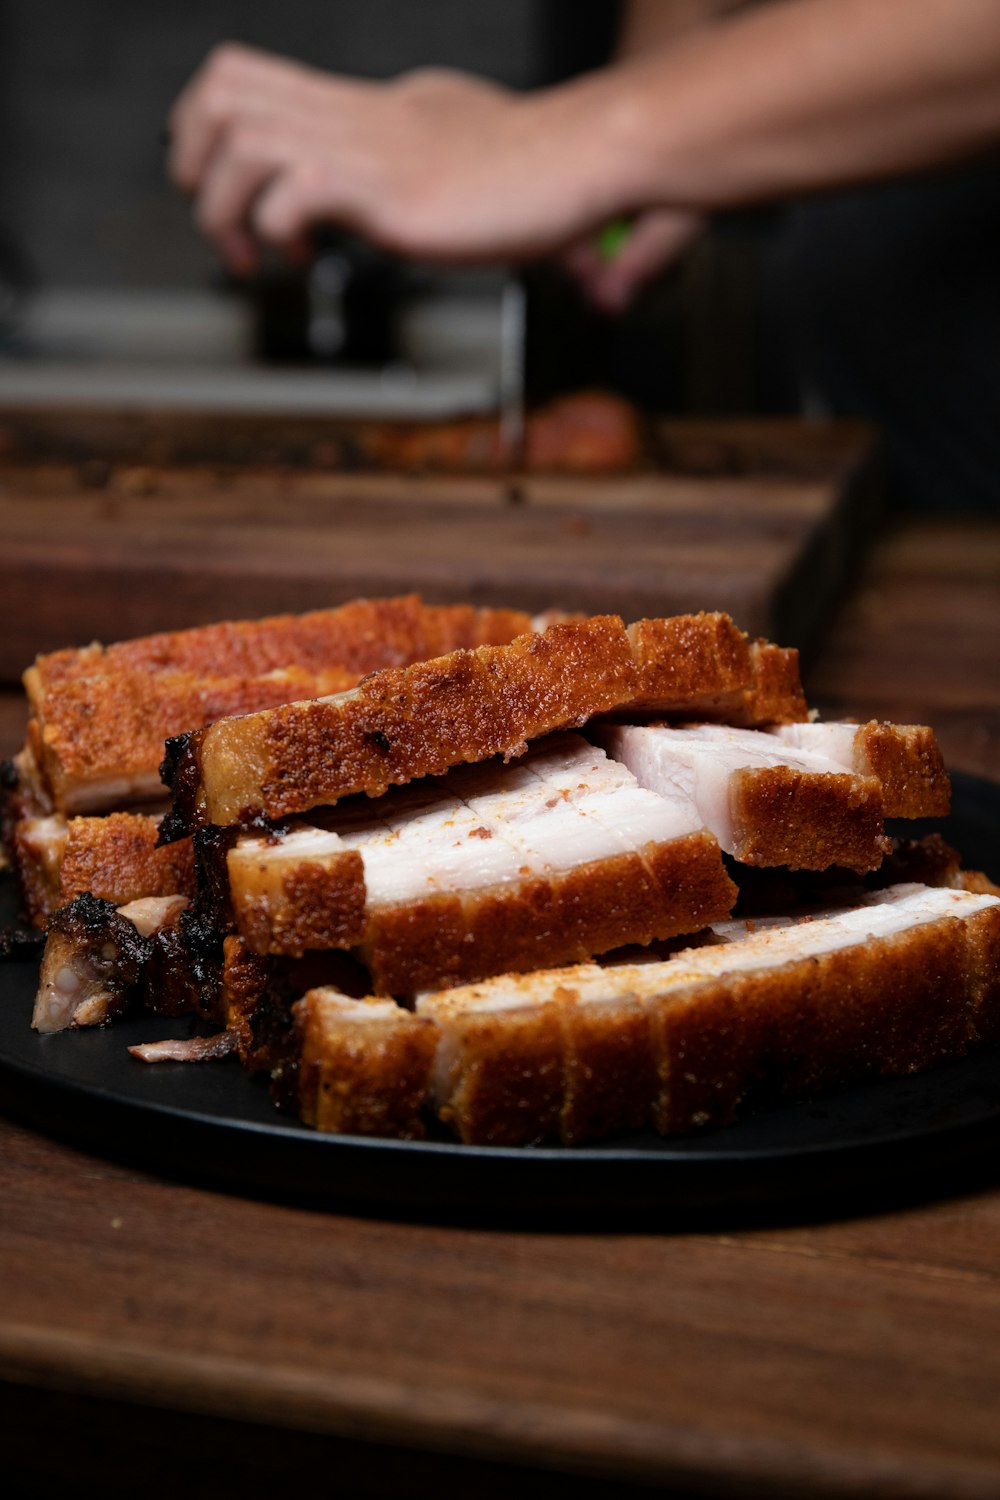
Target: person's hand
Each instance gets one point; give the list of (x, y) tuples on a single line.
[(655, 240), (435, 165)]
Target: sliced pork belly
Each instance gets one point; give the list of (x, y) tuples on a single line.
[(398, 725), (766, 803), (99, 740), (905, 759), (363, 1065), (491, 867), (95, 959), (114, 857), (907, 979), (101, 715), (361, 636)]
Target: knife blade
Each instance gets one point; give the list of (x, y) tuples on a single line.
[(513, 331)]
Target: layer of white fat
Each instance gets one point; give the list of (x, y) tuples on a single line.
[(836, 741), (150, 913), (882, 914), (112, 791), (441, 848), (607, 790), (45, 840), (698, 762), (335, 1005), (301, 841)]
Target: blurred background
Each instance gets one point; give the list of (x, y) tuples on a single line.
[(100, 262)]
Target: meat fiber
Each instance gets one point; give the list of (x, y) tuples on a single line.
[(95, 958)]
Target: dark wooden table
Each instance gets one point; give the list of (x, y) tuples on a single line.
[(160, 1335)]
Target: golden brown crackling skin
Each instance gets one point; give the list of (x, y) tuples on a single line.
[(984, 964), (693, 881), (609, 1071), (508, 1088), (404, 723), (542, 923), (289, 906), (362, 1078), (907, 761), (116, 857), (556, 1071), (688, 662), (891, 1006), (705, 1054), (358, 637), (703, 666), (775, 695), (805, 820)]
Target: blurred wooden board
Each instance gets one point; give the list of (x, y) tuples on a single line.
[(760, 519)]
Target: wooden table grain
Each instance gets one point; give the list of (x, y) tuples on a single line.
[(161, 1334)]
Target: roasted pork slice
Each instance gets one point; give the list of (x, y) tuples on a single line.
[(115, 858), (766, 803), (486, 868), (398, 725), (905, 759), (95, 959), (362, 1066), (99, 740), (908, 978), (703, 666), (356, 638)]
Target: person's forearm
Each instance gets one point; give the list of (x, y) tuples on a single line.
[(799, 96), (649, 24)]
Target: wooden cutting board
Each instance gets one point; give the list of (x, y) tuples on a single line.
[(762, 519)]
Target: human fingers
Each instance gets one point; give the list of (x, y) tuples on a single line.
[(656, 239), (233, 83), (244, 160)]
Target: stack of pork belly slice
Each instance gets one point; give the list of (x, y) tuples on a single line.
[(99, 717), (402, 724), (401, 890), (902, 979)]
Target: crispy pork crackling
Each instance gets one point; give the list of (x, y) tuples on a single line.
[(909, 978)]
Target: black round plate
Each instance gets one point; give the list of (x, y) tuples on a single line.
[(214, 1122)]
